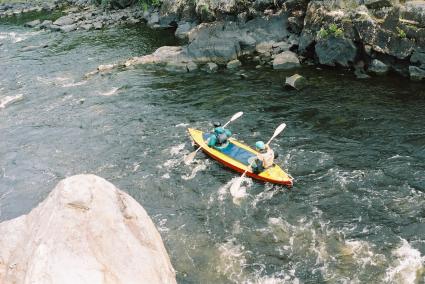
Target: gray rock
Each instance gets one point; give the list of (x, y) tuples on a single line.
[(54, 27), (418, 57), (296, 81), (416, 73), (64, 21), (183, 29), (46, 24), (86, 27), (97, 25), (68, 28), (360, 73), (34, 47), (211, 67), (191, 66), (336, 50), (33, 24), (378, 67), (286, 60), (377, 4), (234, 64), (176, 67), (153, 19)]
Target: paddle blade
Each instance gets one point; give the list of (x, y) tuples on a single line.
[(278, 130), (189, 158), (236, 116)]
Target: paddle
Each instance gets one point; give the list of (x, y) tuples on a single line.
[(189, 158), (237, 184)]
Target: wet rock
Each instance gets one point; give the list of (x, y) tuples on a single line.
[(46, 24), (64, 21), (86, 27), (34, 47), (211, 67), (234, 64), (33, 24), (296, 81), (68, 28), (360, 73), (153, 19), (181, 66), (378, 67), (99, 233), (336, 51), (418, 57), (286, 60), (416, 73), (183, 30), (161, 55), (377, 4), (106, 67), (97, 25)]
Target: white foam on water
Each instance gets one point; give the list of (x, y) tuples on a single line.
[(407, 266), (74, 84), (165, 176), (232, 261), (9, 100), (266, 194), (175, 150), (196, 169), (17, 37), (58, 80), (241, 192), (182, 125), (136, 166), (111, 92), (162, 225), (171, 163)]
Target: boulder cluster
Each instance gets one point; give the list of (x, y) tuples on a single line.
[(370, 36)]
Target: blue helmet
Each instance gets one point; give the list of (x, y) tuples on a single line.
[(219, 130), (260, 145)]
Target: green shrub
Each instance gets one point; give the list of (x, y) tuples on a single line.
[(150, 3), (323, 33), (332, 30), (401, 33)]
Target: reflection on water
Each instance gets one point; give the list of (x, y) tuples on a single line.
[(356, 150)]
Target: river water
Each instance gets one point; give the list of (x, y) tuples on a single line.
[(356, 149)]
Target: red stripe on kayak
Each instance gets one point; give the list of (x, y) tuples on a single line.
[(233, 167)]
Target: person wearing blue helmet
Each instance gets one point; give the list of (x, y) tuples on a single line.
[(264, 159), (219, 137)]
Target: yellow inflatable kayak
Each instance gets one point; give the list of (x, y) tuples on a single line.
[(237, 156)]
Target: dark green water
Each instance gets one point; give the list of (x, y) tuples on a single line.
[(356, 149)]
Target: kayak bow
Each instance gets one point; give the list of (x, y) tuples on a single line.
[(237, 156)]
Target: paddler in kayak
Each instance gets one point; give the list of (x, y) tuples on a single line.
[(219, 137), (264, 159)]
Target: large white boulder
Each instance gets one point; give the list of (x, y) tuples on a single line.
[(86, 231)]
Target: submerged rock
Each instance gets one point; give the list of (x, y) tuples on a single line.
[(33, 24), (86, 231), (378, 67), (211, 67), (416, 73), (296, 81)]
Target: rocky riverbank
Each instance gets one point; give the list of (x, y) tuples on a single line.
[(369, 36), (86, 231)]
